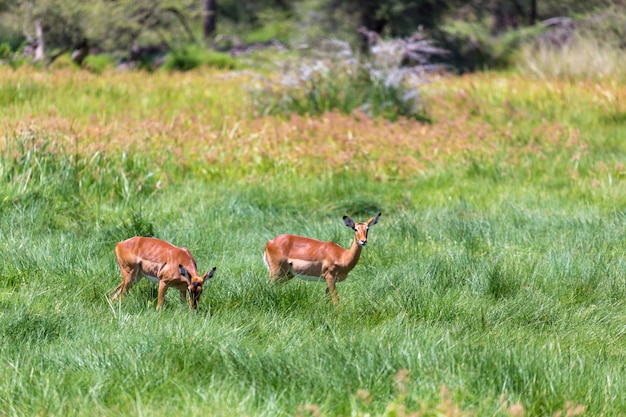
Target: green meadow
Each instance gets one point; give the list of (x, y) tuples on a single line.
[(494, 283)]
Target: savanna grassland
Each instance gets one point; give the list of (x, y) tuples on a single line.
[(493, 284)]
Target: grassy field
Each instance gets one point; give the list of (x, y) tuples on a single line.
[(493, 284)]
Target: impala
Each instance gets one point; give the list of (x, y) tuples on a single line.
[(161, 262), (287, 256)]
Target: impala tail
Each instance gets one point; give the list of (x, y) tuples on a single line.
[(265, 261)]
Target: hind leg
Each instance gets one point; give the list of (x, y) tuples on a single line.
[(281, 273), (279, 270), (129, 278)]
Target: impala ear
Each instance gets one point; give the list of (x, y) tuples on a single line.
[(349, 222), (210, 274), (184, 273), (373, 220)]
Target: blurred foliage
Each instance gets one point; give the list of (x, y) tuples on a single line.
[(472, 46), (607, 25), (380, 85), (193, 56), (478, 34), (64, 23), (395, 17), (121, 25), (273, 25), (112, 27), (99, 63), (251, 12)]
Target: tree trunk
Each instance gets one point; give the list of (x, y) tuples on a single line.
[(80, 52), (39, 50), (533, 12), (209, 17)]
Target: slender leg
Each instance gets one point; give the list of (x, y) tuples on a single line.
[(129, 277), (183, 298), (331, 288), (280, 272), (162, 291)]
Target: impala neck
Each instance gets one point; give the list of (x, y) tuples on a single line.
[(353, 254)]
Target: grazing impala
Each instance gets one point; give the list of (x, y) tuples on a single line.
[(287, 256), (161, 262)]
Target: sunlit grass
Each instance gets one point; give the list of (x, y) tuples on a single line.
[(492, 285), (204, 120), (581, 59)]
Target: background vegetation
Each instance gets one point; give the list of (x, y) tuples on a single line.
[(477, 34), (492, 285)]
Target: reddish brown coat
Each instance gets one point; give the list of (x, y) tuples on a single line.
[(162, 262), (287, 256)]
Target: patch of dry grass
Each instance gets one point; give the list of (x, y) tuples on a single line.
[(205, 118)]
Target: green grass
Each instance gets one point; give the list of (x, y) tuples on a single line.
[(194, 56), (494, 279)]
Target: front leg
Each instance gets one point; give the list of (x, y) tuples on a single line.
[(162, 291), (183, 298), (331, 289)]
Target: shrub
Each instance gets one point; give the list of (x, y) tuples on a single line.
[(5, 51), (98, 63), (63, 62), (590, 47), (11, 36), (582, 58), (13, 57), (473, 46), (219, 60), (386, 84), (275, 26), (194, 56)]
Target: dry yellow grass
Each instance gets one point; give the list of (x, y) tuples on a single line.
[(206, 117)]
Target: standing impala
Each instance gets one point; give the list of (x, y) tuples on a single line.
[(161, 262), (287, 256)]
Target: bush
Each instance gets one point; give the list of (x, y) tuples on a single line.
[(5, 51), (275, 26), (473, 46), (14, 58), (98, 63), (193, 56), (582, 58), (384, 85), (63, 62), (219, 60), (12, 37), (590, 47)]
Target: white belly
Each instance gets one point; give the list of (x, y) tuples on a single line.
[(307, 270), (309, 278)]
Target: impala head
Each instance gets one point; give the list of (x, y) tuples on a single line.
[(195, 284), (361, 228)]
